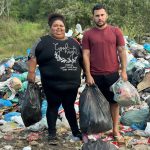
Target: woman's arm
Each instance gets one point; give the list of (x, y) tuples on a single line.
[(31, 69)]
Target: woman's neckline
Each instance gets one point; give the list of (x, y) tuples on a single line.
[(66, 38)]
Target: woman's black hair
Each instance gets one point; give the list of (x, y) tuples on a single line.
[(54, 17), (98, 6)]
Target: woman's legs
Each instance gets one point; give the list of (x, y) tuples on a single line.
[(54, 103), (68, 100)]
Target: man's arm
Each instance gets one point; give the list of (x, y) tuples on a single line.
[(86, 62), (31, 69), (123, 61)]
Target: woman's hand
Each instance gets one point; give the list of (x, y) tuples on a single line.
[(31, 76)]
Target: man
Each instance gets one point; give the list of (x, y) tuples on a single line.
[(103, 55)]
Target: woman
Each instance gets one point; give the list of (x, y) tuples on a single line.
[(59, 60)]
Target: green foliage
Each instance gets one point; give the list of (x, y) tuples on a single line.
[(16, 37), (132, 16)]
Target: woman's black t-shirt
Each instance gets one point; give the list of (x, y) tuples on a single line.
[(59, 62)]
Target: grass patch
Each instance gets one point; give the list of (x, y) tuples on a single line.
[(16, 37)]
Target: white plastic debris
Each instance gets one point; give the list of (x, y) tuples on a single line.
[(42, 124), (147, 129), (2, 70), (18, 119), (7, 147), (27, 148)]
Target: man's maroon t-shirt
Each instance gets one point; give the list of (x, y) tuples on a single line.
[(103, 44)]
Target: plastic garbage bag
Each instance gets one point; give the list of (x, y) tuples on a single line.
[(11, 85), (18, 120), (7, 117), (39, 126), (98, 145), (131, 64), (31, 106), (147, 47), (5, 103), (125, 94), (134, 117), (20, 66), (94, 111), (22, 77), (44, 108), (24, 86), (5, 76), (138, 76), (10, 63), (2, 69)]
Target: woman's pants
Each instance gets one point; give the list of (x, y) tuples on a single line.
[(55, 99)]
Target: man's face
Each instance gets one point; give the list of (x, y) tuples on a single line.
[(100, 17)]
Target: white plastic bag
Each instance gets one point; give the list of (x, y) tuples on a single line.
[(125, 93)]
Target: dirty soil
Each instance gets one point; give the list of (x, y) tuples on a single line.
[(20, 139)]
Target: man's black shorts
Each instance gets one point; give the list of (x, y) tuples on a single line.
[(104, 82)]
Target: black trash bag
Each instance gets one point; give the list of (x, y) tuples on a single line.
[(31, 105), (20, 66), (94, 111), (138, 76), (98, 145)]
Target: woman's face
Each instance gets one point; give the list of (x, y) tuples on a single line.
[(58, 29)]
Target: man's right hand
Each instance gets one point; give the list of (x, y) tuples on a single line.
[(31, 77), (89, 80)]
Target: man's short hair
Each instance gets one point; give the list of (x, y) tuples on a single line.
[(98, 6), (53, 17)]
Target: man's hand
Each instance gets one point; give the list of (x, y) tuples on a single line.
[(124, 75), (89, 80)]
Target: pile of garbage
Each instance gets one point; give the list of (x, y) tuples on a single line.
[(134, 120)]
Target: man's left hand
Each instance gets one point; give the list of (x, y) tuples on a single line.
[(124, 75)]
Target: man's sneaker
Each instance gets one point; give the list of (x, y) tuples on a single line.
[(52, 140)]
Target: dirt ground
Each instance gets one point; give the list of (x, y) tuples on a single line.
[(19, 139)]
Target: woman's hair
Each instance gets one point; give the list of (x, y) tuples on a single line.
[(54, 17), (98, 6)]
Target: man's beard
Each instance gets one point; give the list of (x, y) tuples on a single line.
[(100, 25)]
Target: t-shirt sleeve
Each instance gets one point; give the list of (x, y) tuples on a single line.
[(119, 37), (85, 41), (33, 49)]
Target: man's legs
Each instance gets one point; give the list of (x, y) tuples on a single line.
[(114, 109), (104, 82)]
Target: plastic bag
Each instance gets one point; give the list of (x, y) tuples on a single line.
[(5, 103), (125, 93), (135, 117), (10, 86), (10, 63), (20, 66), (94, 111), (31, 106), (98, 145)]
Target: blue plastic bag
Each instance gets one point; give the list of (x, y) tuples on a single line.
[(7, 117), (147, 47), (5, 103)]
